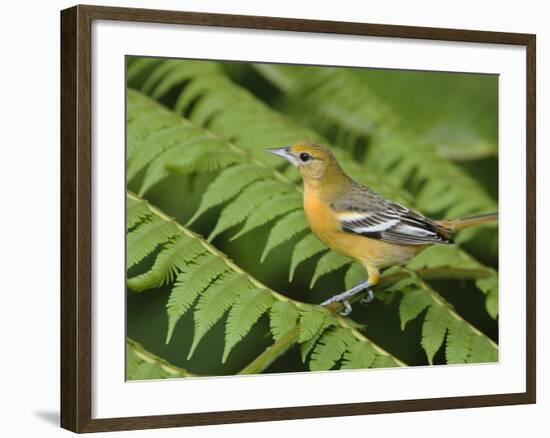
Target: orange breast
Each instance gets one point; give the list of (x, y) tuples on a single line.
[(367, 251)]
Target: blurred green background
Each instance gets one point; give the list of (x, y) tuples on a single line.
[(455, 114)]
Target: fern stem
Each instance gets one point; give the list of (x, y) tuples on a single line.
[(442, 302), (149, 357), (210, 248), (277, 349)]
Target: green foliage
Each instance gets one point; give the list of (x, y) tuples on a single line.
[(191, 120), (336, 100), (208, 283), (144, 365), (283, 318)]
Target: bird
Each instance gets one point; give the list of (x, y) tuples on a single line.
[(357, 222)]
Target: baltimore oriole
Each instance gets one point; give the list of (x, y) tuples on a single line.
[(355, 221)]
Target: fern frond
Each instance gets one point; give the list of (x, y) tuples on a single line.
[(144, 365), (213, 280), (482, 350), (329, 262), (215, 301), (489, 286), (189, 284), (136, 211), (456, 113), (306, 248), (243, 206), (282, 318), (227, 185), (360, 355), (452, 257), (354, 275), (439, 319), (193, 157), (146, 238), (139, 67), (312, 320), (210, 99), (245, 312), (384, 361), (434, 329), (177, 133), (459, 342), (269, 211), (330, 348), (173, 258), (284, 230), (412, 304)]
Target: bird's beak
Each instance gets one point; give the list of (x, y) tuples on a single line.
[(285, 153)]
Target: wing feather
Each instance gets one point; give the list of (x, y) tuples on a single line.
[(372, 216)]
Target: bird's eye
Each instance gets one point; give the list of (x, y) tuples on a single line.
[(304, 156)]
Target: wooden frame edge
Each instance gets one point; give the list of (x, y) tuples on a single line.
[(76, 230)]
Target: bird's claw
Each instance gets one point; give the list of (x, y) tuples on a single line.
[(368, 298), (347, 308)]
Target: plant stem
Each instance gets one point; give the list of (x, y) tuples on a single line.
[(149, 357), (277, 349)]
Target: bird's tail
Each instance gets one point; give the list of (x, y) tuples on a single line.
[(455, 225)]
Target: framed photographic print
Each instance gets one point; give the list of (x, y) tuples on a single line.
[(303, 218)]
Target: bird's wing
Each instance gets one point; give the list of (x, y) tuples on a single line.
[(368, 214)]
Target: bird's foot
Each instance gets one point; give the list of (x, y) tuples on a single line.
[(367, 299), (345, 296)]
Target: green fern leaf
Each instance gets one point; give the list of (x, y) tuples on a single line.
[(189, 284), (253, 196), (482, 351), (355, 275), (136, 211), (285, 228), (489, 286), (413, 303), (384, 361), (144, 365), (312, 319), (282, 318), (245, 312), (205, 161), (269, 211), (329, 262), (135, 67), (158, 73), (307, 347), (306, 248), (458, 342), (145, 239), (181, 74), (434, 329), (330, 348), (143, 126), (192, 156), (442, 256), (173, 258), (215, 301), (227, 185), (359, 356), (178, 134)]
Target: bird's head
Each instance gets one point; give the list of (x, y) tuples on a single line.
[(315, 162)]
